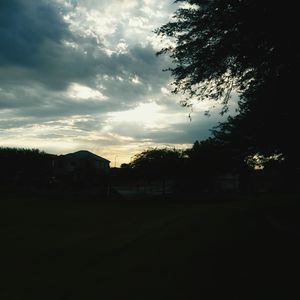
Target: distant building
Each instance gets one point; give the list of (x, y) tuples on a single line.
[(81, 167)]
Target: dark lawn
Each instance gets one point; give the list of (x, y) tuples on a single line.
[(58, 248)]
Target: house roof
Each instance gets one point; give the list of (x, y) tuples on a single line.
[(86, 154)]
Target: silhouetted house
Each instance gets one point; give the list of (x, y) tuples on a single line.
[(81, 167)]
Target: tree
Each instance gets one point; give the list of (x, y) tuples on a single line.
[(209, 159), (248, 46), (25, 166), (212, 157), (159, 164)]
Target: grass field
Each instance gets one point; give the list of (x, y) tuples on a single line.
[(58, 248)]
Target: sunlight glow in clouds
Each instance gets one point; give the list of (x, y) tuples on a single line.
[(145, 114), (78, 91)]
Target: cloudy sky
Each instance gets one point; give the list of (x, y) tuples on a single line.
[(83, 74)]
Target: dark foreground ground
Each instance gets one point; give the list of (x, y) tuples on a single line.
[(66, 247)]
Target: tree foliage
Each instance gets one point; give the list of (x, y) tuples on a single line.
[(158, 162), (248, 46), (221, 45), (211, 158), (24, 166)]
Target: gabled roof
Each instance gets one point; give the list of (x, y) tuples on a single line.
[(86, 154)]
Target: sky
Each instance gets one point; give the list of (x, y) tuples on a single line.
[(83, 75)]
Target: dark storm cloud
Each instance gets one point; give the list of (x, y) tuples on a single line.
[(140, 62), (38, 47), (33, 37), (25, 26), (38, 104)]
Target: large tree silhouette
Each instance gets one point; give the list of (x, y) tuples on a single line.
[(158, 163), (248, 46)]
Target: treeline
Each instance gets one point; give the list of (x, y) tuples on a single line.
[(20, 166), (206, 166), (203, 166)]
